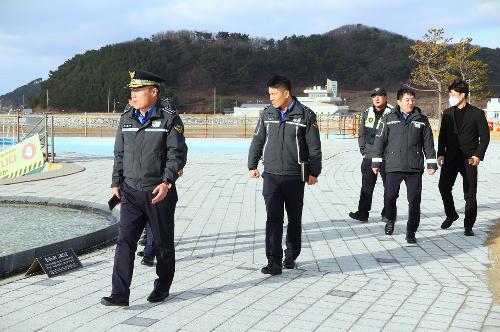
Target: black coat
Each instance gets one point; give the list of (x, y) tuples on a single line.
[(402, 144), (472, 138)]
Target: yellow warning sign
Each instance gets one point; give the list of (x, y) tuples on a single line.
[(22, 158)]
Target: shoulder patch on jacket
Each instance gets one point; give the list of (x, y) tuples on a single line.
[(178, 128), (305, 108), (127, 109), (167, 107)]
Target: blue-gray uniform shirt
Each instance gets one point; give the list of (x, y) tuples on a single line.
[(143, 118), (289, 107), (404, 115)]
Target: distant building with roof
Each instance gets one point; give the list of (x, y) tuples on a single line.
[(492, 109), (324, 99), (249, 109)]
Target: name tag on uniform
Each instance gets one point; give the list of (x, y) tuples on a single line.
[(156, 124), (418, 124)]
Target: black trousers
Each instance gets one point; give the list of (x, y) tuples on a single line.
[(368, 181), (413, 192), (449, 173), (149, 248), (135, 210), (282, 191)]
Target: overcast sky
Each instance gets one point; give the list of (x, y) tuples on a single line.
[(37, 36)]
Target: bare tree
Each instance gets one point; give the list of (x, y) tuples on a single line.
[(438, 62), (473, 71), (432, 71)]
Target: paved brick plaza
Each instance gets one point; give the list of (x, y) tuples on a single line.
[(350, 275)]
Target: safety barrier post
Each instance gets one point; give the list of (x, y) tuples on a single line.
[(18, 127), (46, 137), (206, 125), (245, 130), (52, 136), (85, 124)]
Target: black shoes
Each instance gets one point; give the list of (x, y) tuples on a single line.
[(271, 268), (469, 232), (122, 300), (117, 300), (289, 263), (359, 216), (448, 221), (389, 226), (157, 296), (410, 237), (148, 260)]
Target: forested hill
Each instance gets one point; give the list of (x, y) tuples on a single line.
[(193, 63), (15, 98)]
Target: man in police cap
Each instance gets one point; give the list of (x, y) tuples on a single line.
[(149, 150), (370, 121)]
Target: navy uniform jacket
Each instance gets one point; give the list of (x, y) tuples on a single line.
[(402, 144), (147, 155), (284, 145)]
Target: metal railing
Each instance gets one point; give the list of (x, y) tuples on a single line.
[(16, 128), (196, 125)]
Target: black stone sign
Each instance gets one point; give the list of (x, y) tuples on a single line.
[(55, 264)]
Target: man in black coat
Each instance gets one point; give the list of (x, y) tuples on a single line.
[(462, 144)]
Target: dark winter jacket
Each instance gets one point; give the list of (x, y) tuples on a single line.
[(402, 144), (285, 144), (146, 155)]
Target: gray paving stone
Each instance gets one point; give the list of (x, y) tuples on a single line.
[(350, 276), (140, 321)]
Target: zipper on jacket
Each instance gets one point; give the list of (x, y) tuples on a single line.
[(282, 129), (297, 141), (267, 137)]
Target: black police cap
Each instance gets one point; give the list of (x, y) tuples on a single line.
[(140, 78), (378, 92)]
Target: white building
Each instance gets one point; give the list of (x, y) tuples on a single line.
[(322, 100), (492, 109), (249, 109)]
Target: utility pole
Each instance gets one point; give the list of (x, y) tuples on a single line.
[(47, 100), (23, 102), (215, 101), (109, 97)]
